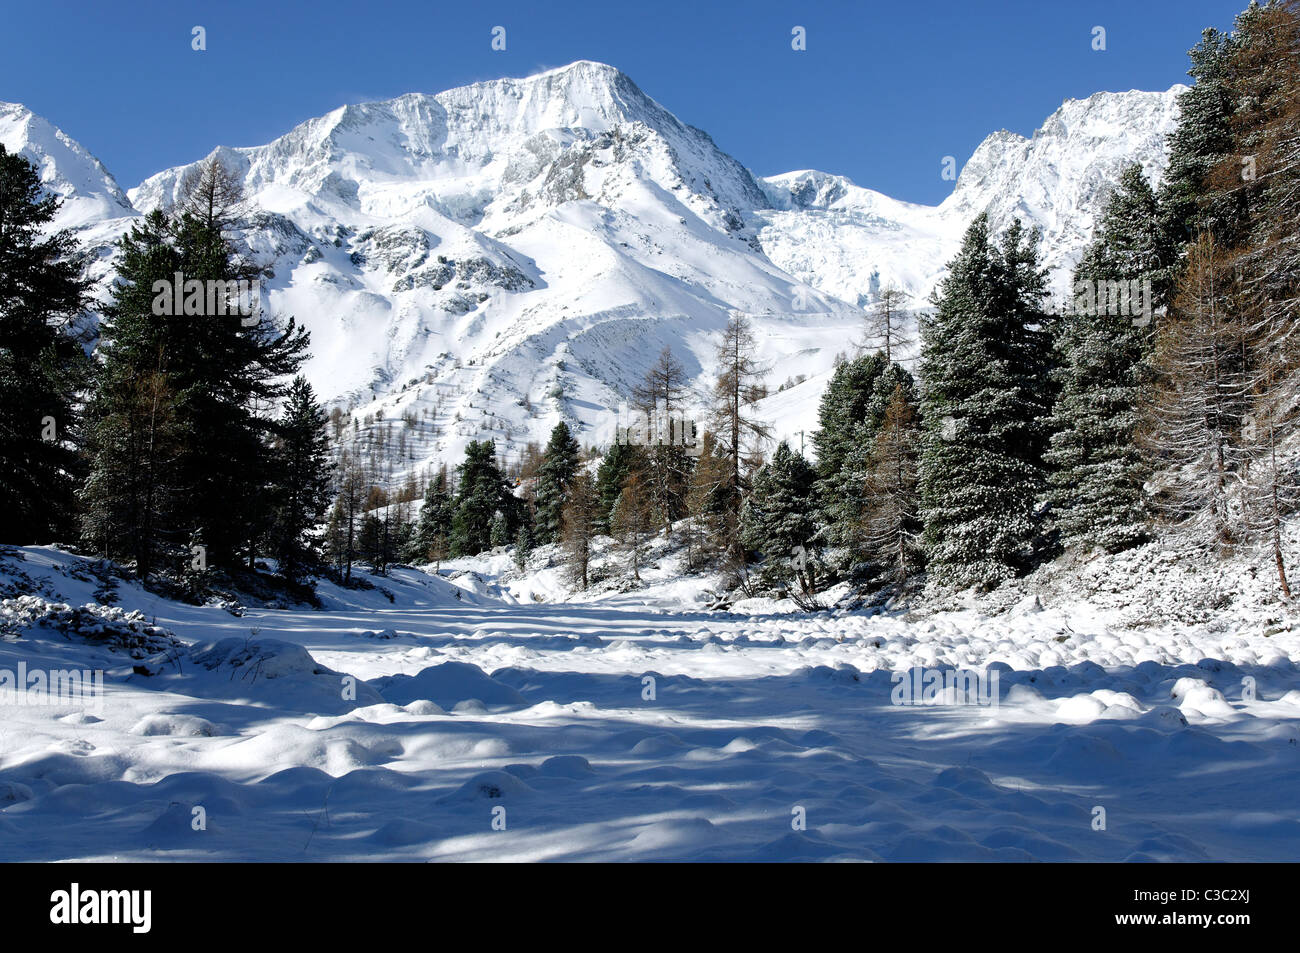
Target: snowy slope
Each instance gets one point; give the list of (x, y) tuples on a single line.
[(90, 194), (487, 261), (850, 241), (93, 206)]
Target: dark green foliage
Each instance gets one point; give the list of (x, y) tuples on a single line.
[(777, 518), (559, 465), (431, 538), (302, 484), (481, 492), (621, 460), (42, 368), (523, 547), (984, 406), (851, 412), (1097, 469), (177, 430)]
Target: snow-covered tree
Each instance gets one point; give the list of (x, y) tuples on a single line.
[(559, 465), (1097, 468), (777, 519), (985, 359)]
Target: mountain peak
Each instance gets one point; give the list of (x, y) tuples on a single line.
[(89, 193)]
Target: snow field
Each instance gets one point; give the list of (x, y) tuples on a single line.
[(633, 728)]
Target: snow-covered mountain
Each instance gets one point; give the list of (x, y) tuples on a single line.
[(89, 192), (489, 260), (849, 241)]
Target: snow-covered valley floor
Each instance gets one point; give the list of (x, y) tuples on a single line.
[(469, 702)]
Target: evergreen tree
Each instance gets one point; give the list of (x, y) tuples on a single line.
[(303, 480), (983, 404), (843, 407), (336, 540), (851, 412), (481, 492), (432, 535), (42, 367), (499, 535), (179, 413), (620, 462), (523, 547), (1097, 469), (370, 542), (559, 465), (1202, 139), (632, 522), (777, 519)]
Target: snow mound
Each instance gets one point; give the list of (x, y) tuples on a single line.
[(269, 671), (489, 786), (448, 684), (175, 725)]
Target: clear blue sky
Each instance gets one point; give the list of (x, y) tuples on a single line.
[(882, 93)]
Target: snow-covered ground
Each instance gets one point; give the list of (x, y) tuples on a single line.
[(634, 725)]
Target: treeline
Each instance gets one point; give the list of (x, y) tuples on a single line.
[(1164, 395), (189, 447), (1026, 431)]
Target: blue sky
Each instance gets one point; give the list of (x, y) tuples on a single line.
[(882, 93)]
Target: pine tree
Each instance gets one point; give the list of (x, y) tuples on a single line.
[(1202, 139), (777, 519), (1097, 469), (620, 462), (481, 492), (843, 407), (523, 547), (42, 367), (985, 358), (851, 412), (432, 535), (336, 540), (180, 409), (499, 535), (559, 465), (302, 481)]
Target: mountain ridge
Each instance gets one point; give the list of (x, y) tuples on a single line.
[(491, 259)]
